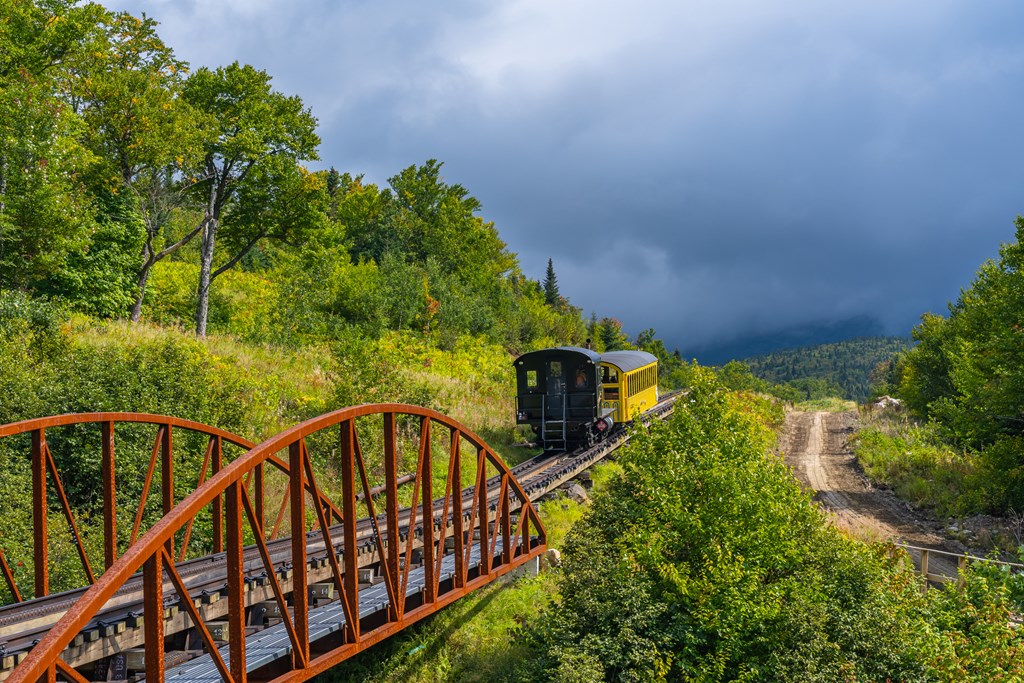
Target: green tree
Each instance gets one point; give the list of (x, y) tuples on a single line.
[(611, 335), (965, 375), (128, 89), (256, 124), (100, 278), (550, 284), (39, 37), (45, 212), (278, 201)]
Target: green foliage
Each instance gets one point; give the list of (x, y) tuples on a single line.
[(914, 461), (277, 201), (126, 85), (550, 285), (737, 376), (30, 339), (45, 215), (706, 562), (965, 373), (101, 280), (609, 336), (40, 37), (839, 369)]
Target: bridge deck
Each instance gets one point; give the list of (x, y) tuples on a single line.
[(271, 644)]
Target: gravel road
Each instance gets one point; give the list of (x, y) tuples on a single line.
[(816, 446)]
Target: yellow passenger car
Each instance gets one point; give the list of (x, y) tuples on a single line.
[(629, 381)]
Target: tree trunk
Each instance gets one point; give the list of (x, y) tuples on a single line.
[(150, 257), (3, 199), (3, 184), (143, 279), (209, 235)]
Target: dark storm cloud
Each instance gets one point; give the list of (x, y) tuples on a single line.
[(713, 170)]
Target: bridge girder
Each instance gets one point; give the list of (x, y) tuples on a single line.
[(492, 518)]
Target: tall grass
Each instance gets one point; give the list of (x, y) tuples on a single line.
[(911, 459), (831, 404)]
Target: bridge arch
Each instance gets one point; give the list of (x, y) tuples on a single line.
[(464, 538), (45, 473)]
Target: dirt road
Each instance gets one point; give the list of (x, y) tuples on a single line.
[(816, 446)]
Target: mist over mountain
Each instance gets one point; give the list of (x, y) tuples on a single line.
[(794, 337)]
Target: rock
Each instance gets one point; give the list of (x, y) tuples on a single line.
[(576, 493), (553, 557)]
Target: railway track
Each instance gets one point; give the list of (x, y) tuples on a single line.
[(118, 626)]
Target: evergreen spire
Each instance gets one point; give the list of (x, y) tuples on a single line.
[(551, 295)]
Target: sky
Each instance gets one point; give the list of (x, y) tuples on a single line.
[(733, 174)]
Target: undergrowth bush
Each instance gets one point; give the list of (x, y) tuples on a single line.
[(705, 561), (921, 467)]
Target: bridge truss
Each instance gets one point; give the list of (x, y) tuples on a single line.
[(340, 564)]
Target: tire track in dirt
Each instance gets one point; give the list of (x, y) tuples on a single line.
[(816, 446)]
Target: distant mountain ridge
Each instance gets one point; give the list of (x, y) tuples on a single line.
[(789, 338), (847, 364)]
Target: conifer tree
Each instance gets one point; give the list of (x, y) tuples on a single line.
[(333, 179), (551, 295)]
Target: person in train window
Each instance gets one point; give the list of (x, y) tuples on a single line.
[(581, 379)]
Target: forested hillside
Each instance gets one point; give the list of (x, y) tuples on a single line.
[(844, 368)]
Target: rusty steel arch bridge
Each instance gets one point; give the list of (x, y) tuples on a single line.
[(412, 511)]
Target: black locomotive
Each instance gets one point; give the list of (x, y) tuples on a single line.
[(572, 396)]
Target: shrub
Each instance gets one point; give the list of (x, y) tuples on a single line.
[(706, 562)]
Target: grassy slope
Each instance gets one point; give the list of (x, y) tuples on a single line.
[(912, 460)]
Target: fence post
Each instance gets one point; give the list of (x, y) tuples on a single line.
[(924, 567), (961, 565)]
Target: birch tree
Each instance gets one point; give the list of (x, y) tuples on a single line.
[(254, 125)]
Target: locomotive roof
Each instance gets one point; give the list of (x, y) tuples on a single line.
[(627, 361), (592, 355)]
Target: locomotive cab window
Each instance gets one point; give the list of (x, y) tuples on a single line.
[(531, 379), (556, 382)]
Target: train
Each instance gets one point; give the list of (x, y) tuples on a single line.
[(572, 397)]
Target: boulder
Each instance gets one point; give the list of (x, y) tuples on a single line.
[(576, 492)]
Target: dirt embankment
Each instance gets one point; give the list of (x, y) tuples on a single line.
[(816, 446)]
